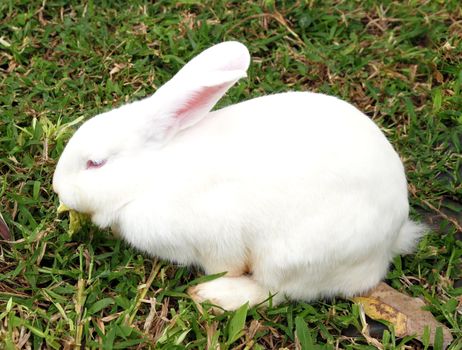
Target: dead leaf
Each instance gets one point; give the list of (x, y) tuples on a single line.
[(438, 76), (4, 231), (404, 312), (42, 21), (140, 29), (117, 68)]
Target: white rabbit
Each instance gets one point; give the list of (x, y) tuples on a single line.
[(295, 195)]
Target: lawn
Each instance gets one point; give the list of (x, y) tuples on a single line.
[(64, 61)]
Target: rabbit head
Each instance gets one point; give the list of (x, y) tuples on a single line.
[(101, 166)]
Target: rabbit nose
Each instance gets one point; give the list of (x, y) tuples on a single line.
[(55, 184)]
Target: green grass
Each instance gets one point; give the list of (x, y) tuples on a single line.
[(62, 61)]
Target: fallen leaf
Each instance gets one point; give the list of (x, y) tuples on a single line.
[(438, 76), (378, 310), (4, 231), (404, 312), (117, 68)]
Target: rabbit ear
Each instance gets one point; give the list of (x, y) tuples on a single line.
[(226, 56), (197, 87)]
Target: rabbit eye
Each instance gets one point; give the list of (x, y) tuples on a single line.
[(93, 164)]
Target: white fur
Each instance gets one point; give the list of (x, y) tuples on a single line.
[(301, 191)]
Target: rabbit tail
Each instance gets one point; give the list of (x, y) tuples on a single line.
[(408, 237)]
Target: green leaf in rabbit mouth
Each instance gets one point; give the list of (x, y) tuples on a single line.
[(76, 219)]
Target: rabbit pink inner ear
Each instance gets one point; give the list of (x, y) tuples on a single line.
[(186, 99), (199, 100)]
